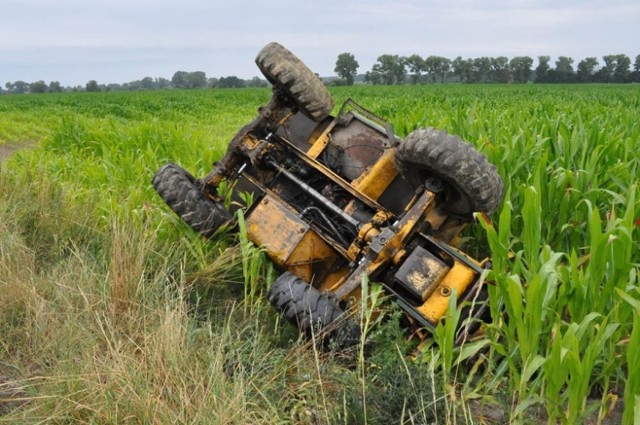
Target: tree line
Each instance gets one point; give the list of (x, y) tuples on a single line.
[(414, 69), (180, 80), (394, 69)]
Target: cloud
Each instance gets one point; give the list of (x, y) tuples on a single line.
[(222, 38)]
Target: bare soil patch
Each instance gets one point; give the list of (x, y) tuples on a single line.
[(12, 395), (8, 149)]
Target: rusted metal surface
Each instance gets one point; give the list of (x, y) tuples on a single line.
[(383, 248), (330, 203), (289, 241), (360, 147), (421, 272), (276, 228), (334, 177), (299, 128), (375, 180)]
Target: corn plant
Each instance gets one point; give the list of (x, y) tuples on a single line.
[(562, 291)]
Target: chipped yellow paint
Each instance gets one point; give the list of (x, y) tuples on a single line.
[(303, 252), (270, 218), (417, 279), (297, 248), (375, 180), (458, 278), (322, 141), (311, 259), (423, 284)]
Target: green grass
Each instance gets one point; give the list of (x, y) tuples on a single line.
[(112, 311)]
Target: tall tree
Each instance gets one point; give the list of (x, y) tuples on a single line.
[(521, 68), (542, 70), (162, 83), (622, 72), (635, 75), (92, 86), (431, 67), (605, 74), (564, 69), (443, 67), (179, 80), (463, 69), (21, 86), (17, 87), (586, 69), (416, 66), (390, 68), (500, 71), (230, 82), (347, 67), (481, 69), (196, 80), (55, 87), (437, 67), (400, 69), (373, 77), (147, 83), (38, 87), (457, 68)]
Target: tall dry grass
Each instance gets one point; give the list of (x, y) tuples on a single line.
[(111, 310), (116, 326)]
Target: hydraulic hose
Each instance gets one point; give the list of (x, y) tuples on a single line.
[(316, 195)]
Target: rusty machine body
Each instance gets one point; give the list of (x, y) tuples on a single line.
[(336, 197)]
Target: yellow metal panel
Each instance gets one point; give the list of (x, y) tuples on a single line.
[(290, 242), (376, 179), (272, 225), (333, 279), (458, 278), (322, 141), (318, 146), (312, 258)]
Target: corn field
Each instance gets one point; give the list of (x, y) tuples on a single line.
[(113, 311)]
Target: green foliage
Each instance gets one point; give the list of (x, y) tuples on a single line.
[(104, 292), (92, 86), (390, 69), (346, 67)]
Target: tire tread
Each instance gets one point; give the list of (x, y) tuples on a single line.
[(178, 190), (455, 161)]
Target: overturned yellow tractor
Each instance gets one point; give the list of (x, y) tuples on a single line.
[(336, 197)]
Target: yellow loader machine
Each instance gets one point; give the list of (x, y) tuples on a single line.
[(339, 197)]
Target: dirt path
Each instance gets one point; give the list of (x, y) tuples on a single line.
[(12, 395), (9, 148)]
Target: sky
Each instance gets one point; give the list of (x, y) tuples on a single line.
[(116, 41)]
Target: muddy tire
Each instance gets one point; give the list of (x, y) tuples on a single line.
[(312, 311), (472, 184), (178, 189), (285, 71)]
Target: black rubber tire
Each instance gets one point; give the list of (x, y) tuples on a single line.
[(285, 71), (472, 183), (312, 310), (178, 189)]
